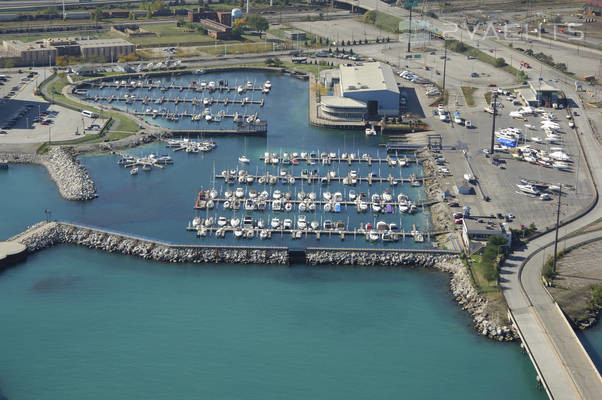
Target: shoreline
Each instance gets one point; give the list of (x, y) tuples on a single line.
[(72, 179), (48, 234)]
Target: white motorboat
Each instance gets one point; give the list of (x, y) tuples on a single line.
[(263, 234), (239, 193), (244, 159), (288, 207), (234, 222), (277, 194), (327, 207), (314, 225), (529, 189), (370, 131), (250, 205), (276, 205), (222, 221), (208, 222), (327, 196), (302, 207), (260, 223), (352, 195), (134, 171), (287, 224), (275, 223)]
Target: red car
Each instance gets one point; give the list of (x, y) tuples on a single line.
[(459, 221), (492, 85), (44, 123)]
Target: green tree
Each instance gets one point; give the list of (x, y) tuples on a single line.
[(257, 22), (500, 62), (96, 15), (497, 240), (370, 17)]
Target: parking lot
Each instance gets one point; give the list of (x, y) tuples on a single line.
[(499, 182), (26, 118)]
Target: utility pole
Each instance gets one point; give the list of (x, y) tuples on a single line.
[(410, 5), (444, 63), (494, 98), (557, 226)]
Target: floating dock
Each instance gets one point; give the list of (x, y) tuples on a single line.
[(195, 87), (160, 100)]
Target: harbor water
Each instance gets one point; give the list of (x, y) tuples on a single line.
[(79, 323)]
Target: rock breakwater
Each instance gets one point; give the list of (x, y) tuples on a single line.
[(42, 236), (461, 286), (71, 178), (45, 235)]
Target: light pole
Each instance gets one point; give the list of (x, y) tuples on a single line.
[(444, 63), (494, 98), (557, 225)]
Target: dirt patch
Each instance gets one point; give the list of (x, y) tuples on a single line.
[(578, 271)]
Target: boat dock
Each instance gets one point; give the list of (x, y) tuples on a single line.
[(250, 233), (326, 180), (200, 203), (160, 100), (368, 159), (191, 86)]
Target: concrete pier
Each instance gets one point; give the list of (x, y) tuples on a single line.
[(11, 252)]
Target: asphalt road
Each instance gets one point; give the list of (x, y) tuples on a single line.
[(570, 374)]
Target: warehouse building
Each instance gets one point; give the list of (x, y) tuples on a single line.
[(107, 48), (45, 52), (369, 89), (36, 53)]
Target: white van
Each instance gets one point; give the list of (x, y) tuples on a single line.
[(88, 114)]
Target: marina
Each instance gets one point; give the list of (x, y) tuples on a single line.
[(184, 104)]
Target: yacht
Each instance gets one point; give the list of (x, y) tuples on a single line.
[(529, 189), (301, 222)]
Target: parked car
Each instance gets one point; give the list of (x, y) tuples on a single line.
[(474, 75), (468, 124)]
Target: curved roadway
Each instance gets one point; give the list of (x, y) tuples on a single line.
[(564, 366)]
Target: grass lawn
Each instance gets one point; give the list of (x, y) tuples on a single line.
[(123, 128), (384, 21), (167, 34), (468, 93), (488, 97), (462, 48)]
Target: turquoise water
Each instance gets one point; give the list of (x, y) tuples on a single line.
[(81, 324)]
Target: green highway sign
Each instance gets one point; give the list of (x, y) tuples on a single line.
[(409, 4), (417, 55)]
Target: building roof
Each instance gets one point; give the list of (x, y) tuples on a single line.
[(367, 77), (475, 227), (341, 102), (543, 86), (527, 94), (103, 43)]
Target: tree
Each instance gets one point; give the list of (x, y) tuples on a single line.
[(370, 17), (132, 15), (96, 15), (497, 240), (61, 61), (237, 31), (257, 22), (500, 62)]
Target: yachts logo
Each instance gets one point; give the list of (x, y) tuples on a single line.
[(509, 32), (418, 30)]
